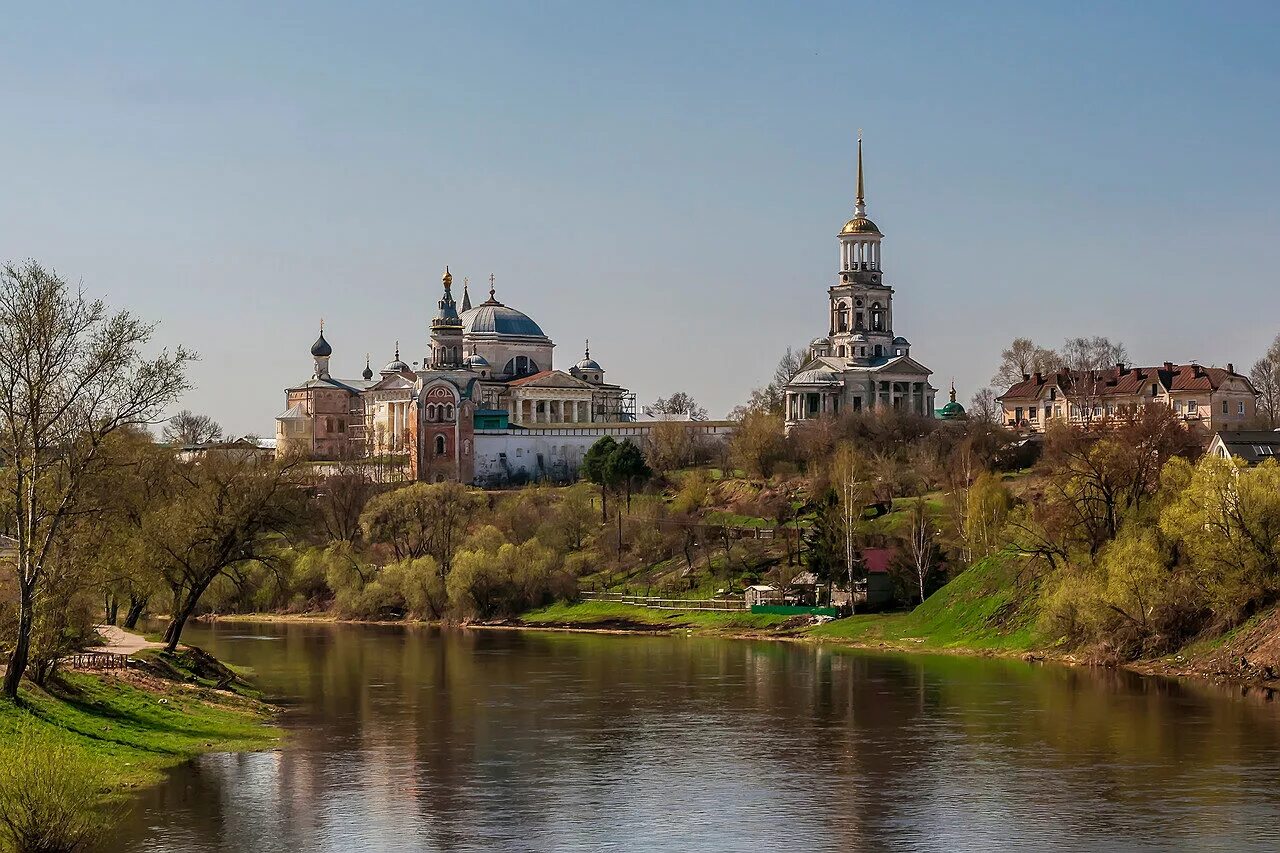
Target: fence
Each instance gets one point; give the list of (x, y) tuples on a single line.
[(732, 605), (98, 660)]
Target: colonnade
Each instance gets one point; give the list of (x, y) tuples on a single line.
[(860, 254), (398, 414), (807, 405), (551, 411)]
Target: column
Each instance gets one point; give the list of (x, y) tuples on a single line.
[(560, 411)]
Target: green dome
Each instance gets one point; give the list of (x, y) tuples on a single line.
[(951, 411)]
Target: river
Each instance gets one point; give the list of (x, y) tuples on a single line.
[(412, 739)]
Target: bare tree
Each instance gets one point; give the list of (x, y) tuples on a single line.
[(679, 403), (851, 477), (1265, 376), (1021, 358), (772, 397), (71, 375), (186, 428), (920, 542), (984, 407), (1088, 360)]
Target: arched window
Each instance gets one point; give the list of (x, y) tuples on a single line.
[(431, 411), (879, 351), (328, 424), (877, 316), (440, 445), (448, 412), (842, 317)]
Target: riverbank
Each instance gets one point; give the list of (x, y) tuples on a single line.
[(126, 728)]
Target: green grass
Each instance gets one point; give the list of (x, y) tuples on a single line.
[(130, 735), (983, 608), (588, 614)]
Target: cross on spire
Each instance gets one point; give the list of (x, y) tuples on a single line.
[(491, 287)]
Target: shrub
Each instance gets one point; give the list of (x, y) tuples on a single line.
[(49, 799)]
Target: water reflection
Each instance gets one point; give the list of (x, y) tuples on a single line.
[(411, 739)]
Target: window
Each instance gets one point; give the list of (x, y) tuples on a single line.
[(898, 351), (1177, 407), (864, 352), (1155, 390), (840, 351), (1241, 409), (842, 318), (448, 412), (879, 350), (439, 445), (1226, 407), (342, 425), (1033, 413), (1017, 417), (1192, 409)]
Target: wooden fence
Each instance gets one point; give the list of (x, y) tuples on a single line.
[(98, 660), (733, 605)]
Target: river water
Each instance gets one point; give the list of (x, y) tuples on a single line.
[(411, 739)]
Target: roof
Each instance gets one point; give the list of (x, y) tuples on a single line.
[(805, 579), (321, 347), (293, 413), (355, 386), (860, 225), (877, 560), (1253, 446), (494, 318), (1126, 381)]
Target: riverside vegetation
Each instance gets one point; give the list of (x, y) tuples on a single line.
[(1114, 543)]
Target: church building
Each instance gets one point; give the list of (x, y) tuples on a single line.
[(861, 363), (485, 404)]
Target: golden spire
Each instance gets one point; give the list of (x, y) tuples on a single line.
[(860, 194), (447, 278), (953, 389)]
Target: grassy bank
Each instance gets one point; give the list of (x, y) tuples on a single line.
[(984, 609), (619, 616), (127, 729)]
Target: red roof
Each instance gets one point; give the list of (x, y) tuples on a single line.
[(877, 560), (1125, 381)]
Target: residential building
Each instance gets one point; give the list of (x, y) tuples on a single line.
[(1250, 445), (1212, 398)]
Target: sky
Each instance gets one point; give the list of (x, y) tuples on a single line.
[(665, 179)]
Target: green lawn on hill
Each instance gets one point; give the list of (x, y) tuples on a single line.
[(981, 608)]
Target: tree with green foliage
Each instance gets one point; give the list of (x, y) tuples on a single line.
[(627, 467), (595, 467), (71, 375), (209, 517), (421, 519)]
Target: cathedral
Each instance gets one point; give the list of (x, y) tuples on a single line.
[(485, 405), (861, 363)]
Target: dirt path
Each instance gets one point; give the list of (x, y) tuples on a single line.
[(122, 642)]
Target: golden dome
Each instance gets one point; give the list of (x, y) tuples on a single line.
[(447, 278), (860, 225)]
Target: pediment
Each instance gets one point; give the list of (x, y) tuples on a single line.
[(555, 379), (905, 364)]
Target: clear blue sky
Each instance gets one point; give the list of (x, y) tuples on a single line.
[(666, 179)]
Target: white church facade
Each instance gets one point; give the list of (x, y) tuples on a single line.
[(861, 363)]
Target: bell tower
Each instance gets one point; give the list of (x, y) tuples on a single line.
[(446, 330), (861, 303)]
